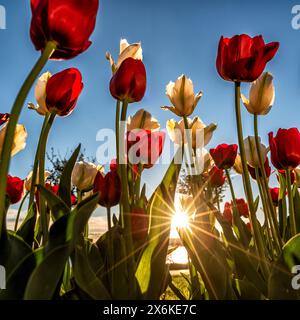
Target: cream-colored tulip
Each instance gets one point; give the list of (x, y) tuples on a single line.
[(20, 137), (238, 167), (182, 96), (40, 94), (251, 151), (142, 120), (177, 133), (28, 180), (83, 175), (127, 50), (261, 95)]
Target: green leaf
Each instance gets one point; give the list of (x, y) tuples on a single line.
[(26, 230), (65, 179), (85, 277), (151, 271)]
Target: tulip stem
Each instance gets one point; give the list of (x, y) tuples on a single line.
[(35, 165), (42, 152), (256, 232), (118, 110), (291, 203), (12, 123), (108, 210), (231, 186), (19, 211), (265, 187)]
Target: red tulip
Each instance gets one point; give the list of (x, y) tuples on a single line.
[(55, 190), (63, 90), (227, 214), (266, 167), (145, 146), (285, 148), (216, 177), (4, 117), (109, 188), (69, 23), (134, 167), (14, 189), (129, 81), (283, 174), (242, 208), (242, 58), (275, 195), (249, 226), (224, 155), (139, 224)]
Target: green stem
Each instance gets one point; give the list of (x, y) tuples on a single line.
[(36, 163), (108, 210), (15, 114), (256, 232), (231, 186), (265, 187), (117, 124), (291, 203), (19, 211), (43, 212)]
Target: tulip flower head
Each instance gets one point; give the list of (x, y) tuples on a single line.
[(275, 195), (28, 180), (145, 147), (20, 137), (224, 155), (242, 208), (227, 213), (139, 224), (142, 120), (83, 175), (201, 134), (251, 151), (68, 23), (127, 50), (14, 189), (216, 177), (182, 96), (261, 96), (266, 167), (129, 81), (242, 58), (109, 188), (238, 167), (282, 174), (285, 148)]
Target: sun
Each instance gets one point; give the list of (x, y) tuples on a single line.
[(180, 220)]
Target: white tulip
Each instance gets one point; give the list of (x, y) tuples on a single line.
[(251, 151), (83, 175), (28, 180), (142, 120), (261, 95), (182, 96)]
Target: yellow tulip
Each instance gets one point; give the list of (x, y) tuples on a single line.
[(142, 120), (177, 133), (182, 96), (261, 95), (238, 167)]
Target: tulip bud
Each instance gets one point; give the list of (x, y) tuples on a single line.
[(20, 137), (83, 175), (238, 167), (142, 120), (201, 134), (251, 151), (285, 148), (261, 96), (69, 24), (182, 96), (275, 195), (242, 208), (28, 180), (227, 213), (14, 189), (139, 224), (216, 177), (129, 81), (109, 188), (224, 155), (63, 90)]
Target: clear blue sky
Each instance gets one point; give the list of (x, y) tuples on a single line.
[(177, 37)]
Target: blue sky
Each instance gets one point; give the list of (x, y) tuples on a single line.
[(177, 37)]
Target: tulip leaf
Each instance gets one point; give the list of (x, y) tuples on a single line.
[(245, 290), (85, 277), (151, 270), (64, 191), (26, 230)]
